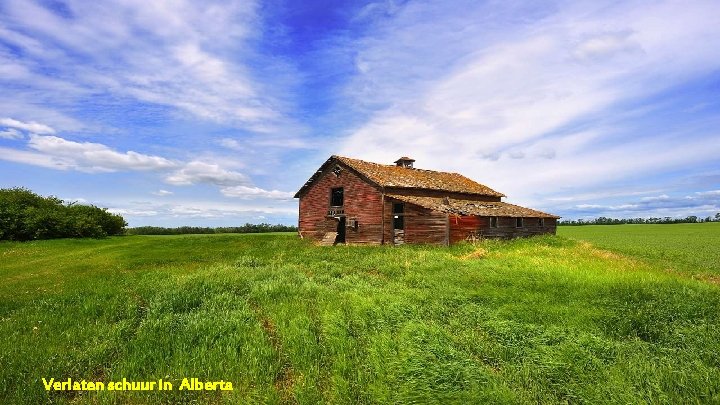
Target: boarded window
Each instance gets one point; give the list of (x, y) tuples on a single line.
[(493, 222), (398, 216), (336, 197), (518, 222)]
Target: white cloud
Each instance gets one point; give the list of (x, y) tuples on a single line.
[(195, 57), (11, 133), (163, 193), (712, 193), (700, 203), (35, 159), (200, 172), (493, 96), (605, 45), (134, 212), (94, 157), (61, 154), (245, 192), (265, 141), (663, 197), (32, 126), (170, 213), (230, 143)]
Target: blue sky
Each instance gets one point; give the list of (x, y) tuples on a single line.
[(215, 113)]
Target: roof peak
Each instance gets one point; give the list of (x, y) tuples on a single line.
[(400, 177), (389, 165), (394, 177)]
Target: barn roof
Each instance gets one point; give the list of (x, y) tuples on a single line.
[(470, 207), (402, 177)]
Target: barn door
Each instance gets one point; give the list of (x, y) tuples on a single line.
[(340, 238), (398, 223)]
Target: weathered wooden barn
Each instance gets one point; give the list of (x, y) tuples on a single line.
[(354, 201)]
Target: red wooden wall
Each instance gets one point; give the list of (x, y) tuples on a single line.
[(461, 226), (362, 202)]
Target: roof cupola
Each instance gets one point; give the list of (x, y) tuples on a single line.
[(405, 162)]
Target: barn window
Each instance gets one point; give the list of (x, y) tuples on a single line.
[(518, 222), (493, 222), (541, 222), (336, 197), (398, 216)]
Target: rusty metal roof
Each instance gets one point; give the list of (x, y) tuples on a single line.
[(471, 207), (403, 177)]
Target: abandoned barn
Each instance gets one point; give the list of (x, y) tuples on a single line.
[(354, 201)]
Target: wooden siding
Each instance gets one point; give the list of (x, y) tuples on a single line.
[(462, 226), (421, 224), (362, 202)]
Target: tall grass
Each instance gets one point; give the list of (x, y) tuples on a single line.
[(544, 320)]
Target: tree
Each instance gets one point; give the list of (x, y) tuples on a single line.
[(25, 215)]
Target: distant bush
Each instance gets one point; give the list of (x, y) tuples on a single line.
[(247, 228), (25, 215)]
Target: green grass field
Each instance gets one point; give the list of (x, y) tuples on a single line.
[(688, 248), (542, 320)]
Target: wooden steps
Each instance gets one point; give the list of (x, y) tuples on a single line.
[(328, 239)]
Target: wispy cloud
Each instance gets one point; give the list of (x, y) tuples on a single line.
[(94, 157), (533, 105), (34, 159), (699, 203), (61, 154), (245, 192), (31, 126), (152, 212), (605, 45), (162, 193), (194, 57), (264, 142), (58, 153), (11, 133), (196, 172)]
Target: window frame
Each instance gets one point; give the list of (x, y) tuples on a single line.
[(519, 222), (541, 222), (332, 196), (493, 222)]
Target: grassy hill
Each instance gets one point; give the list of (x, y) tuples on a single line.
[(547, 320)]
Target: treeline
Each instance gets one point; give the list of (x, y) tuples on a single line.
[(247, 228), (25, 215), (619, 221)]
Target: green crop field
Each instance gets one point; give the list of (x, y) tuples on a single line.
[(693, 249), (541, 320)]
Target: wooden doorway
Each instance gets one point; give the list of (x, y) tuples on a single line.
[(398, 212), (340, 238)]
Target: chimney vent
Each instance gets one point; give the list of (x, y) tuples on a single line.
[(405, 162)]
